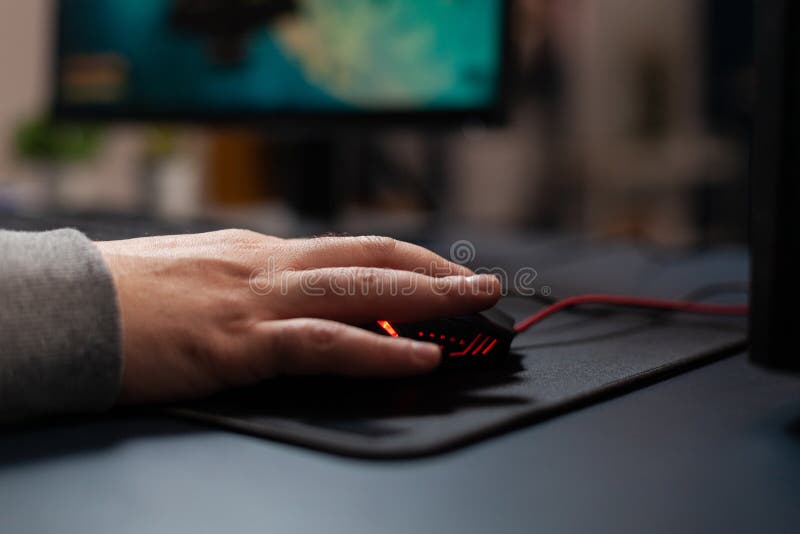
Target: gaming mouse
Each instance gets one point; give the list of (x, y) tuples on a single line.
[(481, 336)]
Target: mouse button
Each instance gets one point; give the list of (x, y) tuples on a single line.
[(498, 318)]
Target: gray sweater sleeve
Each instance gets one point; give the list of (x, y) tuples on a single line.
[(60, 346)]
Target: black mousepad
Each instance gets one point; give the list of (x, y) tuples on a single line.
[(570, 360)]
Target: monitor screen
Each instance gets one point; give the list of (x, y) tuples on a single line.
[(256, 58)]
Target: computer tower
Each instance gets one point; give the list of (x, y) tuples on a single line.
[(775, 188)]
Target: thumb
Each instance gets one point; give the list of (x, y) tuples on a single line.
[(317, 346)]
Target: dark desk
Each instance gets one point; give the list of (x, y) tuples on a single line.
[(713, 450)]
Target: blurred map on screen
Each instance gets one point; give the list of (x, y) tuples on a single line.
[(279, 55)]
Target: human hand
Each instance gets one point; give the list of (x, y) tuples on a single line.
[(201, 313)]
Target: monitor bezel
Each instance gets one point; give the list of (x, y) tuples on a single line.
[(494, 114)]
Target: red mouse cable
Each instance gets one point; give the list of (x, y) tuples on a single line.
[(633, 302)]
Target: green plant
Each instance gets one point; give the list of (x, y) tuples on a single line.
[(47, 141)]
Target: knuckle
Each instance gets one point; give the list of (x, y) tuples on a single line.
[(214, 355), (237, 241), (239, 234), (366, 279), (378, 245), (320, 336), (284, 343), (243, 240)]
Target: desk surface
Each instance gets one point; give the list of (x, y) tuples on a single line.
[(713, 450)]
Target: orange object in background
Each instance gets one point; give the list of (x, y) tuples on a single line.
[(238, 168)]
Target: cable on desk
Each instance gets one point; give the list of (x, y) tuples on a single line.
[(633, 302)]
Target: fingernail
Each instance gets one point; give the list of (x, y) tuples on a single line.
[(426, 355), (483, 283)]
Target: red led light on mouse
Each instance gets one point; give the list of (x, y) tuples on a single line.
[(387, 326)]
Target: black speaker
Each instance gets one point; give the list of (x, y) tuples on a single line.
[(775, 189)]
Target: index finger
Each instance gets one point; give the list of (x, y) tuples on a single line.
[(359, 294), (372, 251)]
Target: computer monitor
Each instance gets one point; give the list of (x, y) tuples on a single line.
[(281, 61), (775, 190)]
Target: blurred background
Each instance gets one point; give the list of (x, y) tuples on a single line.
[(621, 118)]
